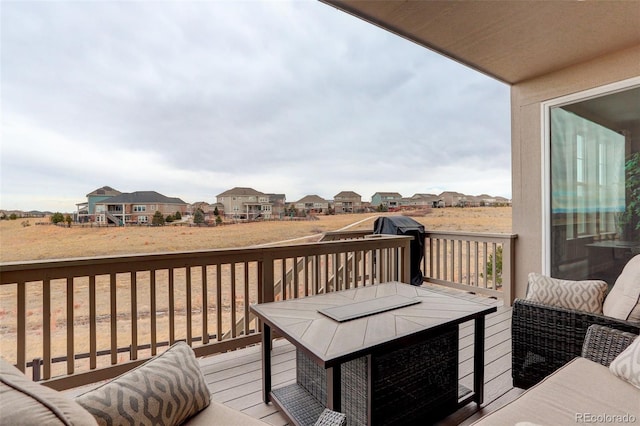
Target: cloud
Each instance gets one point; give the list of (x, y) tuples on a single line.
[(193, 98)]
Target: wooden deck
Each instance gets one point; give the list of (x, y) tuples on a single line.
[(235, 377)]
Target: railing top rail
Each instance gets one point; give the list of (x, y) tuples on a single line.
[(475, 235), (335, 235)]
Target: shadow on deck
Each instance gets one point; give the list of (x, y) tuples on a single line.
[(234, 378)]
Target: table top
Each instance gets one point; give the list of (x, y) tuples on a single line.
[(331, 342)]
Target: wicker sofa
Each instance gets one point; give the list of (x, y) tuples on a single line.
[(545, 337), (583, 391), (169, 389)]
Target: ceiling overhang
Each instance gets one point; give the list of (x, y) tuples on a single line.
[(512, 41)]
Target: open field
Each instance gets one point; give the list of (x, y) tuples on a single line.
[(37, 242)]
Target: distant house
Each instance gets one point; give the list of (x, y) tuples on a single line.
[(422, 200), (137, 207), (278, 204), (201, 205), (388, 200), (347, 202), (312, 204), (86, 210), (245, 204), (206, 208), (453, 199)]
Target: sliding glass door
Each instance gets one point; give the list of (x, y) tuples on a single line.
[(594, 178)]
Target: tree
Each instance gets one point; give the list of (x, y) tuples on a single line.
[(218, 220), (13, 216), (157, 219), (57, 218), (198, 216), (169, 219), (177, 216), (68, 219), (216, 212)]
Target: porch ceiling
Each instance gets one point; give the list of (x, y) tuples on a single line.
[(511, 41)]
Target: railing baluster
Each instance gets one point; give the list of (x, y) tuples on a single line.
[(205, 306), (484, 264), (316, 274), (21, 326), (354, 269), (172, 307), (46, 329), (246, 298), (306, 275), (188, 307), (233, 299), (468, 269), (153, 308), (459, 279), (93, 345), (296, 278), (134, 316), (218, 302), (113, 318), (70, 329), (438, 257), (445, 256), (477, 271), (494, 263), (283, 275), (327, 278)]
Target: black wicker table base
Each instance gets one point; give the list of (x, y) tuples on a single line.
[(410, 384)]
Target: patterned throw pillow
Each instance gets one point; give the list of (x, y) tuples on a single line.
[(627, 364), (166, 390), (587, 295)]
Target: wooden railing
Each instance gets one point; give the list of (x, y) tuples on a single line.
[(481, 263), (77, 321)]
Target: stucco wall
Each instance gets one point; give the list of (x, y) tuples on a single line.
[(527, 161)]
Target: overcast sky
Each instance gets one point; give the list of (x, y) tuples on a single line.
[(193, 98)]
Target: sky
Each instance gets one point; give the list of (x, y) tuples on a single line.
[(191, 99)]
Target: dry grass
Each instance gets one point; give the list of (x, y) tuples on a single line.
[(37, 242)]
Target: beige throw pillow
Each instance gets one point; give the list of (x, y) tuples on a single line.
[(623, 301), (586, 295), (166, 390), (627, 364)]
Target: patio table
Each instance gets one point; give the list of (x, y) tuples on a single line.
[(381, 354)]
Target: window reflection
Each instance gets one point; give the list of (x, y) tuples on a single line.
[(595, 229)]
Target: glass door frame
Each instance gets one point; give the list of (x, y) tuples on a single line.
[(545, 112)]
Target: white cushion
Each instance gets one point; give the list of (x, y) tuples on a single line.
[(585, 295), (623, 301), (627, 364), (581, 392)]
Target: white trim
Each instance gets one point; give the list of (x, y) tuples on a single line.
[(545, 108)]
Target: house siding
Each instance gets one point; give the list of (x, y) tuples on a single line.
[(527, 154)]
